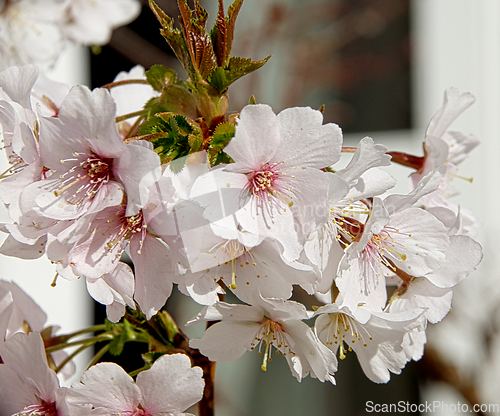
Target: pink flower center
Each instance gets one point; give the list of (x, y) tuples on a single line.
[(45, 409), (265, 183), (85, 178), (129, 227)]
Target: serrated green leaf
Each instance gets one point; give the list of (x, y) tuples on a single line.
[(153, 125), (218, 158), (160, 77), (195, 141), (174, 37), (221, 78), (223, 134)]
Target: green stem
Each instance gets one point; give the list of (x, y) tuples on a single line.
[(151, 136), (88, 342), (62, 339), (125, 82), (99, 355), (139, 370), (130, 115), (134, 126), (69, 358)]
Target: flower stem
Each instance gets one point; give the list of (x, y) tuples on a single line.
[(62, 339), (130, 115), (98, 356), (87, 342), (69, 358), (125, 82)]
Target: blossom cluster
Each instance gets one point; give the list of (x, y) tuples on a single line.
[(35, 31), (281, 214), (146, 184)]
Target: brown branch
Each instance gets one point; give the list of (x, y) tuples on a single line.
[(433, 367)]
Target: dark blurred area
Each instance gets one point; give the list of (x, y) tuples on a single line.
[(353, 56)]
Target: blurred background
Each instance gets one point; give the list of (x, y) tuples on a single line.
[(380, 67)]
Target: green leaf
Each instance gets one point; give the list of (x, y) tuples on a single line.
[(223, 134), (221, 78), (126, 333), (160, 77), (173, 37), (178, 99)]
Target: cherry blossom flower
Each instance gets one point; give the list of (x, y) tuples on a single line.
[(277, 173), (376, 337), (169, 387), (266, 324), (408, 239), (27, 385), (29, 32), (360, 179), (88, 160), (248, 264), (91, 22)]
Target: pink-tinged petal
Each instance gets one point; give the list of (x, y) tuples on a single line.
[(454, 105), (138, 167), (106, 387), (305, 140), (322, 363), (6, 308), (362, 282), (18, 81), (115, 290), (171, 385), (154, 273), (308, 191), (25, 354), (426, 185), (12, 187), (420, 237), (372, 183), (25, 310), (92, 115), (227, 340), (221, 193), (60, 208), (256, 140), (14, 394), (368, 155), (13, 248), (46, 88), (462, 257), (59, 142), (421, 293)]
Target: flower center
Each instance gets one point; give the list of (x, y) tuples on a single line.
[(85, 178), (45, 409), (342, 325), (129, 226), (382, 245), (264, 184), (273, 335)]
